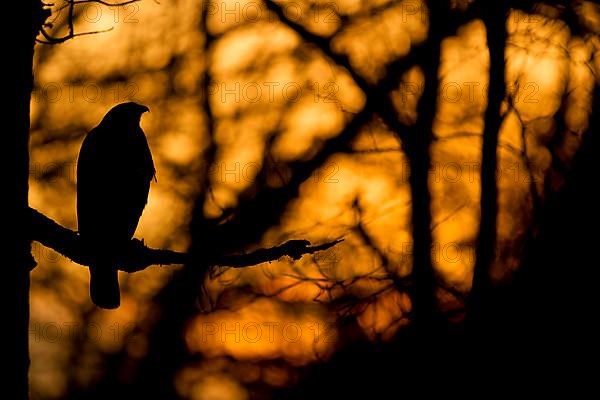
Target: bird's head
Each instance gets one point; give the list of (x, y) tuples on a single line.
[(126, 114)]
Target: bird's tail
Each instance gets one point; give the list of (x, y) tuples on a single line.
[(104, 286)]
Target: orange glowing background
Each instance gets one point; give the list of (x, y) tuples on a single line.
[(274, 99)]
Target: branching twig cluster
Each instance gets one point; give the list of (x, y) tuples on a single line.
[(70, 7)]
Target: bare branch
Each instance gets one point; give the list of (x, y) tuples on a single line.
[(138, 256)]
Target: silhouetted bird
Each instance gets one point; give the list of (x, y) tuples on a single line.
[(114, 171)]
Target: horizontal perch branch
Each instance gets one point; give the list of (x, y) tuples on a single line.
[(138, 257)]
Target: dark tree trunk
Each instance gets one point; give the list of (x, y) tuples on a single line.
[(27, 15), (494, 16), (418, 147)]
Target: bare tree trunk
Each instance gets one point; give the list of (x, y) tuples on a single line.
[(494, 16), (420, 163), (28, 16)]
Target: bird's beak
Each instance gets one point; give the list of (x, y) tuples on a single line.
[(145, 109)]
